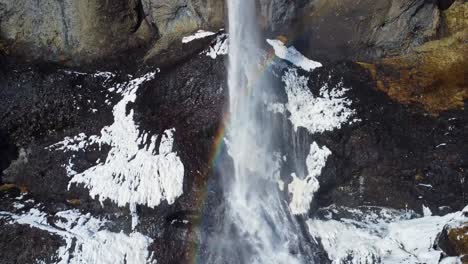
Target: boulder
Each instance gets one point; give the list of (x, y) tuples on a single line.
[(453, 240)]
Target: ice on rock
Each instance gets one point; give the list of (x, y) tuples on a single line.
[(130, 174), (86, 240), (303, 190), (197, 35), (396, 241), (326, 112), (219, 47)]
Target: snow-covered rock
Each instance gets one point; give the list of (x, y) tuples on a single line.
[(86, 239), (292, 55)]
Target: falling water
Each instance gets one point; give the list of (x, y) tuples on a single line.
[(259, 224)]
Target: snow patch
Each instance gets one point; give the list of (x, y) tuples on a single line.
[(76, 143), (426, 211), (85, 239), (292, 55), (131, 174), (197, 35), (317, 114), (303, 190), (400, 240), (219, 47)]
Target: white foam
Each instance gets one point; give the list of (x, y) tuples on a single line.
[(197, 35), (303, 190), (292, 55)]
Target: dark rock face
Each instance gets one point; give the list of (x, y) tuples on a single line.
[(20, 243), (42, 104), (364, 30), (277, 15), (45, 103), (15, 239), (8, 152), (396, 156)]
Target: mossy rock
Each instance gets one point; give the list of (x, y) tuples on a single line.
[(434, 74), (454, 240)]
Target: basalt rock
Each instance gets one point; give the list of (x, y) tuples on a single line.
[(45, 103), (395, 156)]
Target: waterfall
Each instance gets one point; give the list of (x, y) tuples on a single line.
[(259, 226)]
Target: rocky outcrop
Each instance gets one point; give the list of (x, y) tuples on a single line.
[(45, 103), (395, 156), (176, 18), (70, 31), (434, 74), (364, 30), (81, 32), (276, 16), (453, 240)]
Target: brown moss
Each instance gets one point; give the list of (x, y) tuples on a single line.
[(74, 202), (435, 74), (419, 177), (23, 189), (455, 18), (7, 187), (282, 38), (458, 237)]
